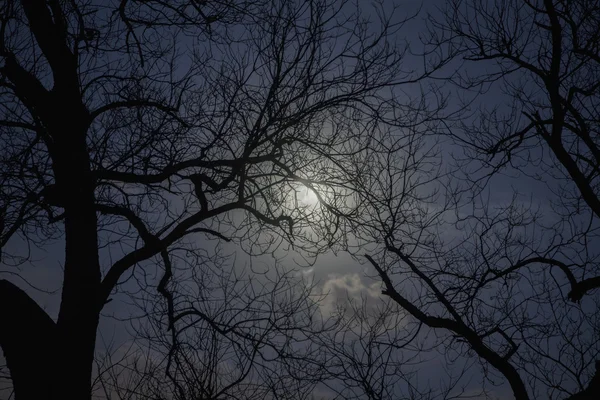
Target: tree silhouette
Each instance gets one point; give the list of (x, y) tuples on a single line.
[(134, 129), (510, 281), (236, 336), (136, 134)]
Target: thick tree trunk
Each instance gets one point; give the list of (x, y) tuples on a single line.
[(63, 123), (79, 312), (48, 360)]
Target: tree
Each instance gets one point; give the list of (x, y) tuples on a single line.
[(510, 280), (131, 130), (375, 352), (236, 336)]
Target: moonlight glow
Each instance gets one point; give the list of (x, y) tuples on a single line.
[(307, 197)]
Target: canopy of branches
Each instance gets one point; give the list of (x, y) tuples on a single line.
[(160, 151)]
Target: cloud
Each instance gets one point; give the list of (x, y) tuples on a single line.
[(344, 290)]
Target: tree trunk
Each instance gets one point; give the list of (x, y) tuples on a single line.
[(48, 360), (80, 309), (59, 365)]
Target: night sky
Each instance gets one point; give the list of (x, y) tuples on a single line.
[(435, 189)]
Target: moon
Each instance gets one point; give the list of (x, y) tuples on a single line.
[(307, 197)]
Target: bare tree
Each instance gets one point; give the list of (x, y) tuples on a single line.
[(508, 280), (237, 335), (131, 128), (374, 352), (545, 58)]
